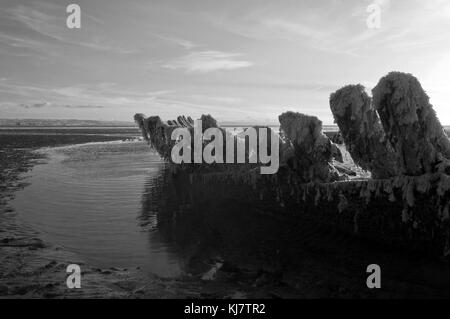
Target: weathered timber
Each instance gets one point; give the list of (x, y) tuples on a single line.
[(411, 124), (313, 151), (362, 131)]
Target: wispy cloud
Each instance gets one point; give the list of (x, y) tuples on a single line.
[(23, 46), (315, 28), (81, 97), (288, 28), (208, 61), (316, 37), (216, 99), (341, 29), (186, 44), (84, 106), (48, 104), (51, 31), (35, 105)]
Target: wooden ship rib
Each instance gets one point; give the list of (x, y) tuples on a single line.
[(395, 136)]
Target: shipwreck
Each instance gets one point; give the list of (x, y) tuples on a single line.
[(388, 182)]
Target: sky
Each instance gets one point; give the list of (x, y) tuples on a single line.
[(238, 60)]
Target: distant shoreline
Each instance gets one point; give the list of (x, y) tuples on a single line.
[(25, 127)]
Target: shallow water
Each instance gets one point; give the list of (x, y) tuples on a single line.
[(88, 199)]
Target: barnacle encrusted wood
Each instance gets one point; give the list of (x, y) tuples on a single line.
[(312, 148), (362, 131), (157, 133), (410, 124)]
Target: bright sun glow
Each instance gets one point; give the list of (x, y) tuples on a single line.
[(437, 85)]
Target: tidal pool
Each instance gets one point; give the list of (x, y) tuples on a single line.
[(88, 199)]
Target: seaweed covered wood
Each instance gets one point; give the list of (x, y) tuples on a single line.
[(411, 124), (312, 150), (157, 134), (362, 131)]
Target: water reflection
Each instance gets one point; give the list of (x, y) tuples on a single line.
[(223, 221), (204, 224), (170, 217)]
